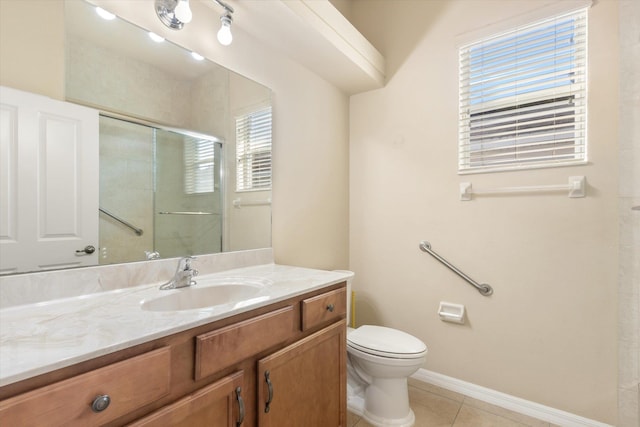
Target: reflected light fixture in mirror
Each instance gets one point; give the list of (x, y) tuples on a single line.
[(104, 14), (156, 38)]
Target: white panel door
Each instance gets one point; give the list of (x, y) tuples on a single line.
[(48, 183)]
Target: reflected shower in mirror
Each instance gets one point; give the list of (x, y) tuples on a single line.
[(161, 192)]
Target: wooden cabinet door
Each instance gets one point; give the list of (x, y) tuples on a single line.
[(304, 384), (217, 405)]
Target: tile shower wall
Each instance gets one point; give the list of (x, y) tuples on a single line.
[(104, 78), (629, 188), (126, 190), (101, 77)]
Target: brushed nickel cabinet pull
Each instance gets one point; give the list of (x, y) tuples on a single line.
[(270, 386), (240, 407)]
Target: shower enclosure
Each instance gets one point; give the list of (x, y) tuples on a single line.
[(161, 192)]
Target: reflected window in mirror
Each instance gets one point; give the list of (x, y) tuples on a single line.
[(253, 150), (199, 166)]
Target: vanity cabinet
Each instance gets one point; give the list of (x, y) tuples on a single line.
[(280, 365), (304, 383), (220, 404)]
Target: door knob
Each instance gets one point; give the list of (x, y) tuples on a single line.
[(88, 250)]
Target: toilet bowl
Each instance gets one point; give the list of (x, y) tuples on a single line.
[(379, 361)]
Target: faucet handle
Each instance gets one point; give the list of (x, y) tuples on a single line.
[(186, 261)]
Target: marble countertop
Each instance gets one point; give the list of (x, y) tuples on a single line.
[(42, 337)]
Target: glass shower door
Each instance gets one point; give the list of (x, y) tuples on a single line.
[(188, 194)]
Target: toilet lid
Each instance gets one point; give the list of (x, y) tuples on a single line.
[(386, 342)]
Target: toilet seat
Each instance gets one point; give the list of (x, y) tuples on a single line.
[(386, 342)]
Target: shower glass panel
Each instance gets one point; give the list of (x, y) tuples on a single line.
[(188, 202), (164, 182)]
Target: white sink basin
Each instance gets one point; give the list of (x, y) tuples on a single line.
[(207, 293)]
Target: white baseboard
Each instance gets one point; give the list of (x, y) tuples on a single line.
[(516, 404)]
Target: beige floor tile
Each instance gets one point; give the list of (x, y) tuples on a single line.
[(436, 407), (496, 410), (432, 409), (435, 389), (363, 423), (474, 417), (352, 419)]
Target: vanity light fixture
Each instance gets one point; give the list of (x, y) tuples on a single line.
[(183, 11), (224, 34), (175, 13), (104, 14), (168, 11)]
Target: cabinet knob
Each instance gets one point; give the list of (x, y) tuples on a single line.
[(100, 403), (331, 307)]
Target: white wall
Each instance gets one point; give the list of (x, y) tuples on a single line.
[(548, 334)]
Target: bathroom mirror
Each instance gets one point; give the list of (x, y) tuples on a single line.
[(168, 157)]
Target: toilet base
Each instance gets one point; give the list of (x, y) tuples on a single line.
[(374, 420), (356, 404)]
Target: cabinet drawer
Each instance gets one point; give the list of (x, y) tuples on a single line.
[(324, 307), (227, 346), (130, 384)]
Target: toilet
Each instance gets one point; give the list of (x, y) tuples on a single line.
[(379, 361)]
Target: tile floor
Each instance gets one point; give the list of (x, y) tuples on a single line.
[(437, 407)]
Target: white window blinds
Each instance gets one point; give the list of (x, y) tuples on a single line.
[(199, 159), (253, 150), (523, 97)]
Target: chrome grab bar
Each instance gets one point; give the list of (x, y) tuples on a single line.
[(187, 213), (137, 230), (483, 288)]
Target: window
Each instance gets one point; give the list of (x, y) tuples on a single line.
[(523, 97), (253, 150), (199, 162)]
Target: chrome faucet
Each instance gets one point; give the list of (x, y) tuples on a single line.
[(184, 275)]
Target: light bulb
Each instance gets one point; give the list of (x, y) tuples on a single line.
[(224, 35), (183, 11)]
